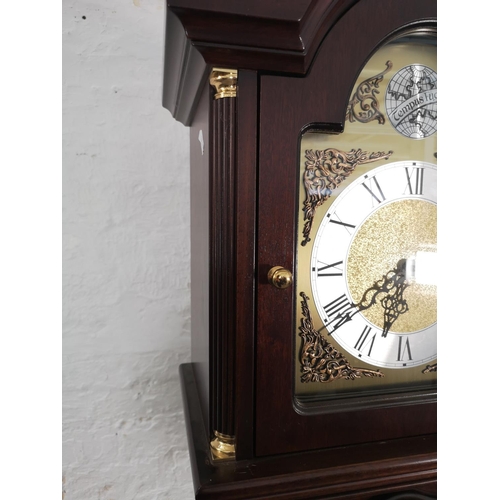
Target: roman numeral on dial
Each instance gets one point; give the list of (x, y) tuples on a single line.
[(415, 180), (404, 351), (374, 189), (339, 311), (338, 306), (330, 269), (363, 343), (335, 219), (340, 223)]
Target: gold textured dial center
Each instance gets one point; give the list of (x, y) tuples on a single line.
[(402, 231)]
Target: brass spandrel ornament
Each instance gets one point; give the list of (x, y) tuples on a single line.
[(364, 105), (430, 368), (324, 171), (320, 360)]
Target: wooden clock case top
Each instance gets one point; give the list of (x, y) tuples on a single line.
[(297, 62)]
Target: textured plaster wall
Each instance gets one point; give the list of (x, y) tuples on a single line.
[(126, 252)]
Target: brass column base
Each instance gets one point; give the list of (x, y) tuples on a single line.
[(222, 447)]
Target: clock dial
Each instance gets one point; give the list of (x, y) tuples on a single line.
[(372, 280), (365, 287)]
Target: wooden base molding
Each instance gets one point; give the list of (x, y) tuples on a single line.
[(403, 469)]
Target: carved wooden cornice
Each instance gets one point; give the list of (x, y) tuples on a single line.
[(292, 28), (280, 36)]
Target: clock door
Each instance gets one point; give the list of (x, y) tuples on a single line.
[(346, 298)]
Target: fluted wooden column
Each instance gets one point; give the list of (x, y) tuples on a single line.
[(222, 260)]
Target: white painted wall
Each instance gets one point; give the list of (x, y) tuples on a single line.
[(126, 252)]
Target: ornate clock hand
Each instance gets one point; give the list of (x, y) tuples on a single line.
[(348, 312), (341, 319), (393, 284), (393, 303)]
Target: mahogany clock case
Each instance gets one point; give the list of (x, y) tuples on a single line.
[(293, 75), (407, 415)]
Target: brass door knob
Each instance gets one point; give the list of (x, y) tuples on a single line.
[(280, 277)]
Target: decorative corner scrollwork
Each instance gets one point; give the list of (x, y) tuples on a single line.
[(324, 171), (320, 361), (430, 368), (364, 105)]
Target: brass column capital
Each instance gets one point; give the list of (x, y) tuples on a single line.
[(225, 82)]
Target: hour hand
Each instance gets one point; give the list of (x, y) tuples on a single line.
[(391, 288), (394, 306)]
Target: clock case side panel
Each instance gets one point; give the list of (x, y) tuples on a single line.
[(287, 106), (200, 263)]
